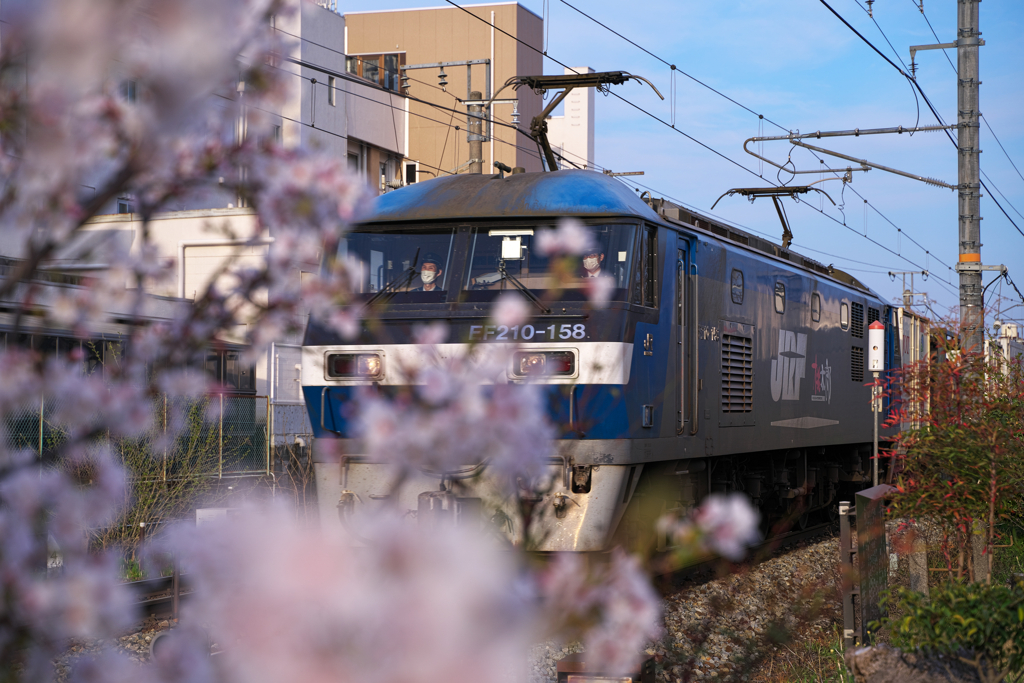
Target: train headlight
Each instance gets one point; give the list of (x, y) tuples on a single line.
[(543, 364), (355, 365)]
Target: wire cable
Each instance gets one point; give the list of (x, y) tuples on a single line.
[(672, 125), (674, 67), (935, 113), (982, 116)]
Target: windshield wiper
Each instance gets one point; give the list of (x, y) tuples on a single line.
[(521, 287), (391, 287)]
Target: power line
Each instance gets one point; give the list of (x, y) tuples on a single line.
[(641, 109), (982, 116), (927, 101), (1002, 148), (934, 34), (637, 45), (361, 60), (673, 66), (899, 230)]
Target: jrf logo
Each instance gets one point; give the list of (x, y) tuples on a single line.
[(789, 367)]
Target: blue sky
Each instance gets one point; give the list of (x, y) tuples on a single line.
[(799, 66)]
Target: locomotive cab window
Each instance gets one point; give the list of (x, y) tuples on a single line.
[(844, 316), (737, 286), (513, 256), (412, 265), (780, 297), (645, 279), (815, 307)]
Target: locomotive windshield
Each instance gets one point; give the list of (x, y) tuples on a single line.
[(419, 265), (498, 254), (412, 262)]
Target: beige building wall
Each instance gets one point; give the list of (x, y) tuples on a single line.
[(572, 134), (448, 34)]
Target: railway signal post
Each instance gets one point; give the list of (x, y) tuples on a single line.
[(876, 363)]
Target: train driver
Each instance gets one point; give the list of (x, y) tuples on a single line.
[(430, 274), (592, 264)]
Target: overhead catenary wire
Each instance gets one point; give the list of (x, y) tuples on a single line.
[(761, 118), (663, 122), (673, 67), (935, 112)]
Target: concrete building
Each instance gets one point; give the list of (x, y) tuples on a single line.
[(356, 119), (380, 43), (572, 134)]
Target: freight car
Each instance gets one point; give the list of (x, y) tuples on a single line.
[(723, 362)]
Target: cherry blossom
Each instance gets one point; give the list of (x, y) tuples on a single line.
[(416, 604), (571, 238), (722, 524), (612, 608), (457, 417), (511, 309)]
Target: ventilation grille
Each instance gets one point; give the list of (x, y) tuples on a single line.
[(873, 315), (857, 364), (857, 320), (738, 374)]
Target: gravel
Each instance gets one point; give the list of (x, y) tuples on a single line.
[(710, 628), (716, 629), (135, 644)]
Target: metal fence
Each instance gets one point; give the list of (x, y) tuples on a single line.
[(215, 436)]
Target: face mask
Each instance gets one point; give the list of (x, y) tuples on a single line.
[(428, 276), (590, 263)]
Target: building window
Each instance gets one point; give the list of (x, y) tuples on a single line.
[(737, 286), (228, 369), (384, 70), (390, 75), (815, 307), (780, 297), (371, 68), (124, 205), (277, 133), (353, 163), (128, 91), (331, 91)]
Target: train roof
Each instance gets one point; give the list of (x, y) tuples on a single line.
[(562, 193), (530, 195)]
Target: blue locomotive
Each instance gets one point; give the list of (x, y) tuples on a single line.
[(723, 362)]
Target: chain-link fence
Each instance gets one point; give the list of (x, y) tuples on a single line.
[(214, 436)]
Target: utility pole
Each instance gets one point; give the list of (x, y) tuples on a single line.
[(474, 133), (972, 313), (909, 295)]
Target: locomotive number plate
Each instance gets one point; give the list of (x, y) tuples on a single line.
[(553, 332)]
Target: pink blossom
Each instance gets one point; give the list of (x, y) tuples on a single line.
[(461, 419), (571, 238), (431, 335), (417, 605), (599, 290), (510, 309), (723, 524), (612, 608), (183, 383), (729, 524)]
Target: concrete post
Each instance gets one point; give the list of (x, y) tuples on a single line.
[(475, 134), (919, 566), (972, 318), (981, 558)]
